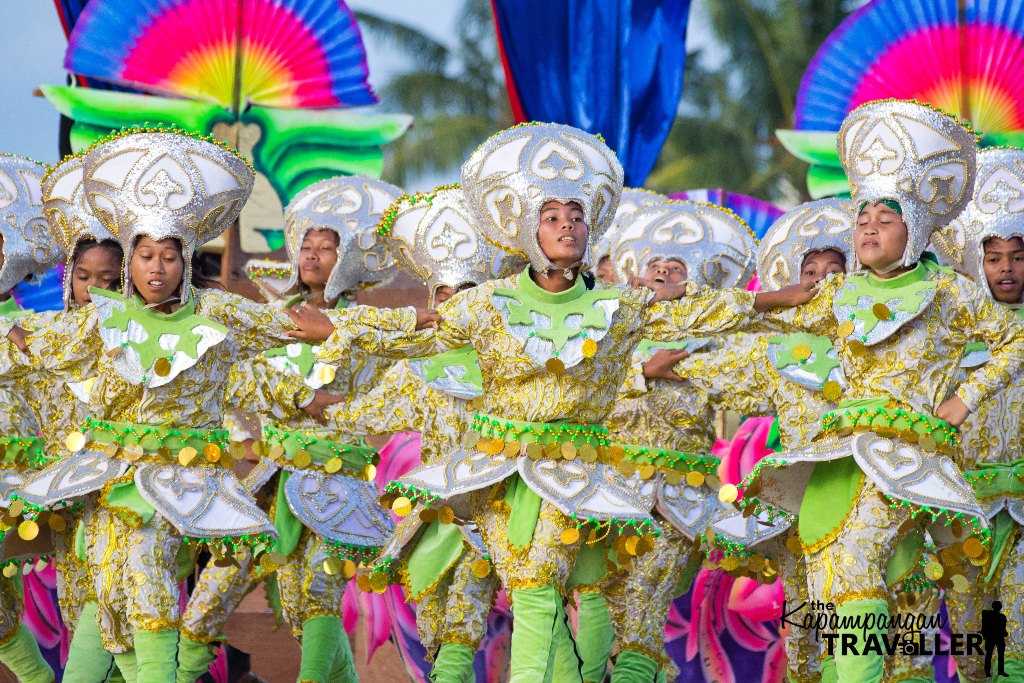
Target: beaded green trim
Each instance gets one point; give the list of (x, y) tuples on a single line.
[(22, 451), (908, 426), (323, 452)]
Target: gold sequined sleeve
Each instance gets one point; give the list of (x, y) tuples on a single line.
[(256, 387), (69, 346), (977, 315), (737, 376), (707, 311), (382, 332), (634, 384), (394, 404), (815, 316), (253, 326), (16, 365), (392, 333)]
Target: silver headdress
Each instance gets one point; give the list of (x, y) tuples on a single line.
[(996, 210), (912, 154), (814, 226), (350, 206), (631, 200), (69, 215), (433, 236), (716, 245), (29, 247), (510, 177), (165, 184)]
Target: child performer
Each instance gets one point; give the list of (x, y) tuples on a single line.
[(884, 457), (441, 565), (325, 507), (552, 355), (26, 248), (161, 356), (796, 377), (631, 200), (990, 249), (667, 434), (94, 259)]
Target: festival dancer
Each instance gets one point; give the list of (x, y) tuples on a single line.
[(882, 463), (94, 259), (552, 354), (631, 200), (160, 355), (26, 248), (987, 243), (795, 377), (667, 433), (325, 507), (441, 565)]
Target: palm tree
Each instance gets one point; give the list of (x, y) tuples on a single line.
[(456, 94), (724, 135)]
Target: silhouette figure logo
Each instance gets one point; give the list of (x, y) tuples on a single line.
[(993, 630)]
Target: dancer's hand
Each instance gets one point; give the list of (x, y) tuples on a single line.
[(953, 411), (427, 317), (794, 295), (313, 326), (322, 400), (663, 291), (19, 337), (661, 365)]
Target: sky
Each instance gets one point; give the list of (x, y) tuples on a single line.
[(32, 48)]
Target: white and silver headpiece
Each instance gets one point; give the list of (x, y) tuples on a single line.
[(915, 155), (165, 184), (433, 236), (996, 210), (810, 227), (350, 206), (29, 247), (510, 177), (69, 215), (716, 245)]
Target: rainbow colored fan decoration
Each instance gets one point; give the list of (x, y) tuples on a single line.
[(964, 57), (757, 213), (276, 53), (283, 81)]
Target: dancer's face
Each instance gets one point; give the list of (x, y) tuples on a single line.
[(1004, 269), (156, 268), (604, 270), (98, 265), (880, 237), (563, 233), (317, 256), (819, 264), (668, 271)]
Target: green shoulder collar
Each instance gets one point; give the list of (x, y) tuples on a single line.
[(182, 324), (911, 289), (10, 309), (464, 357), (798, 349), (575, 301), (304, 361)]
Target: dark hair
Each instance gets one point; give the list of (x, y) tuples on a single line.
[(87, 245), (206, 270), (837, 250)]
